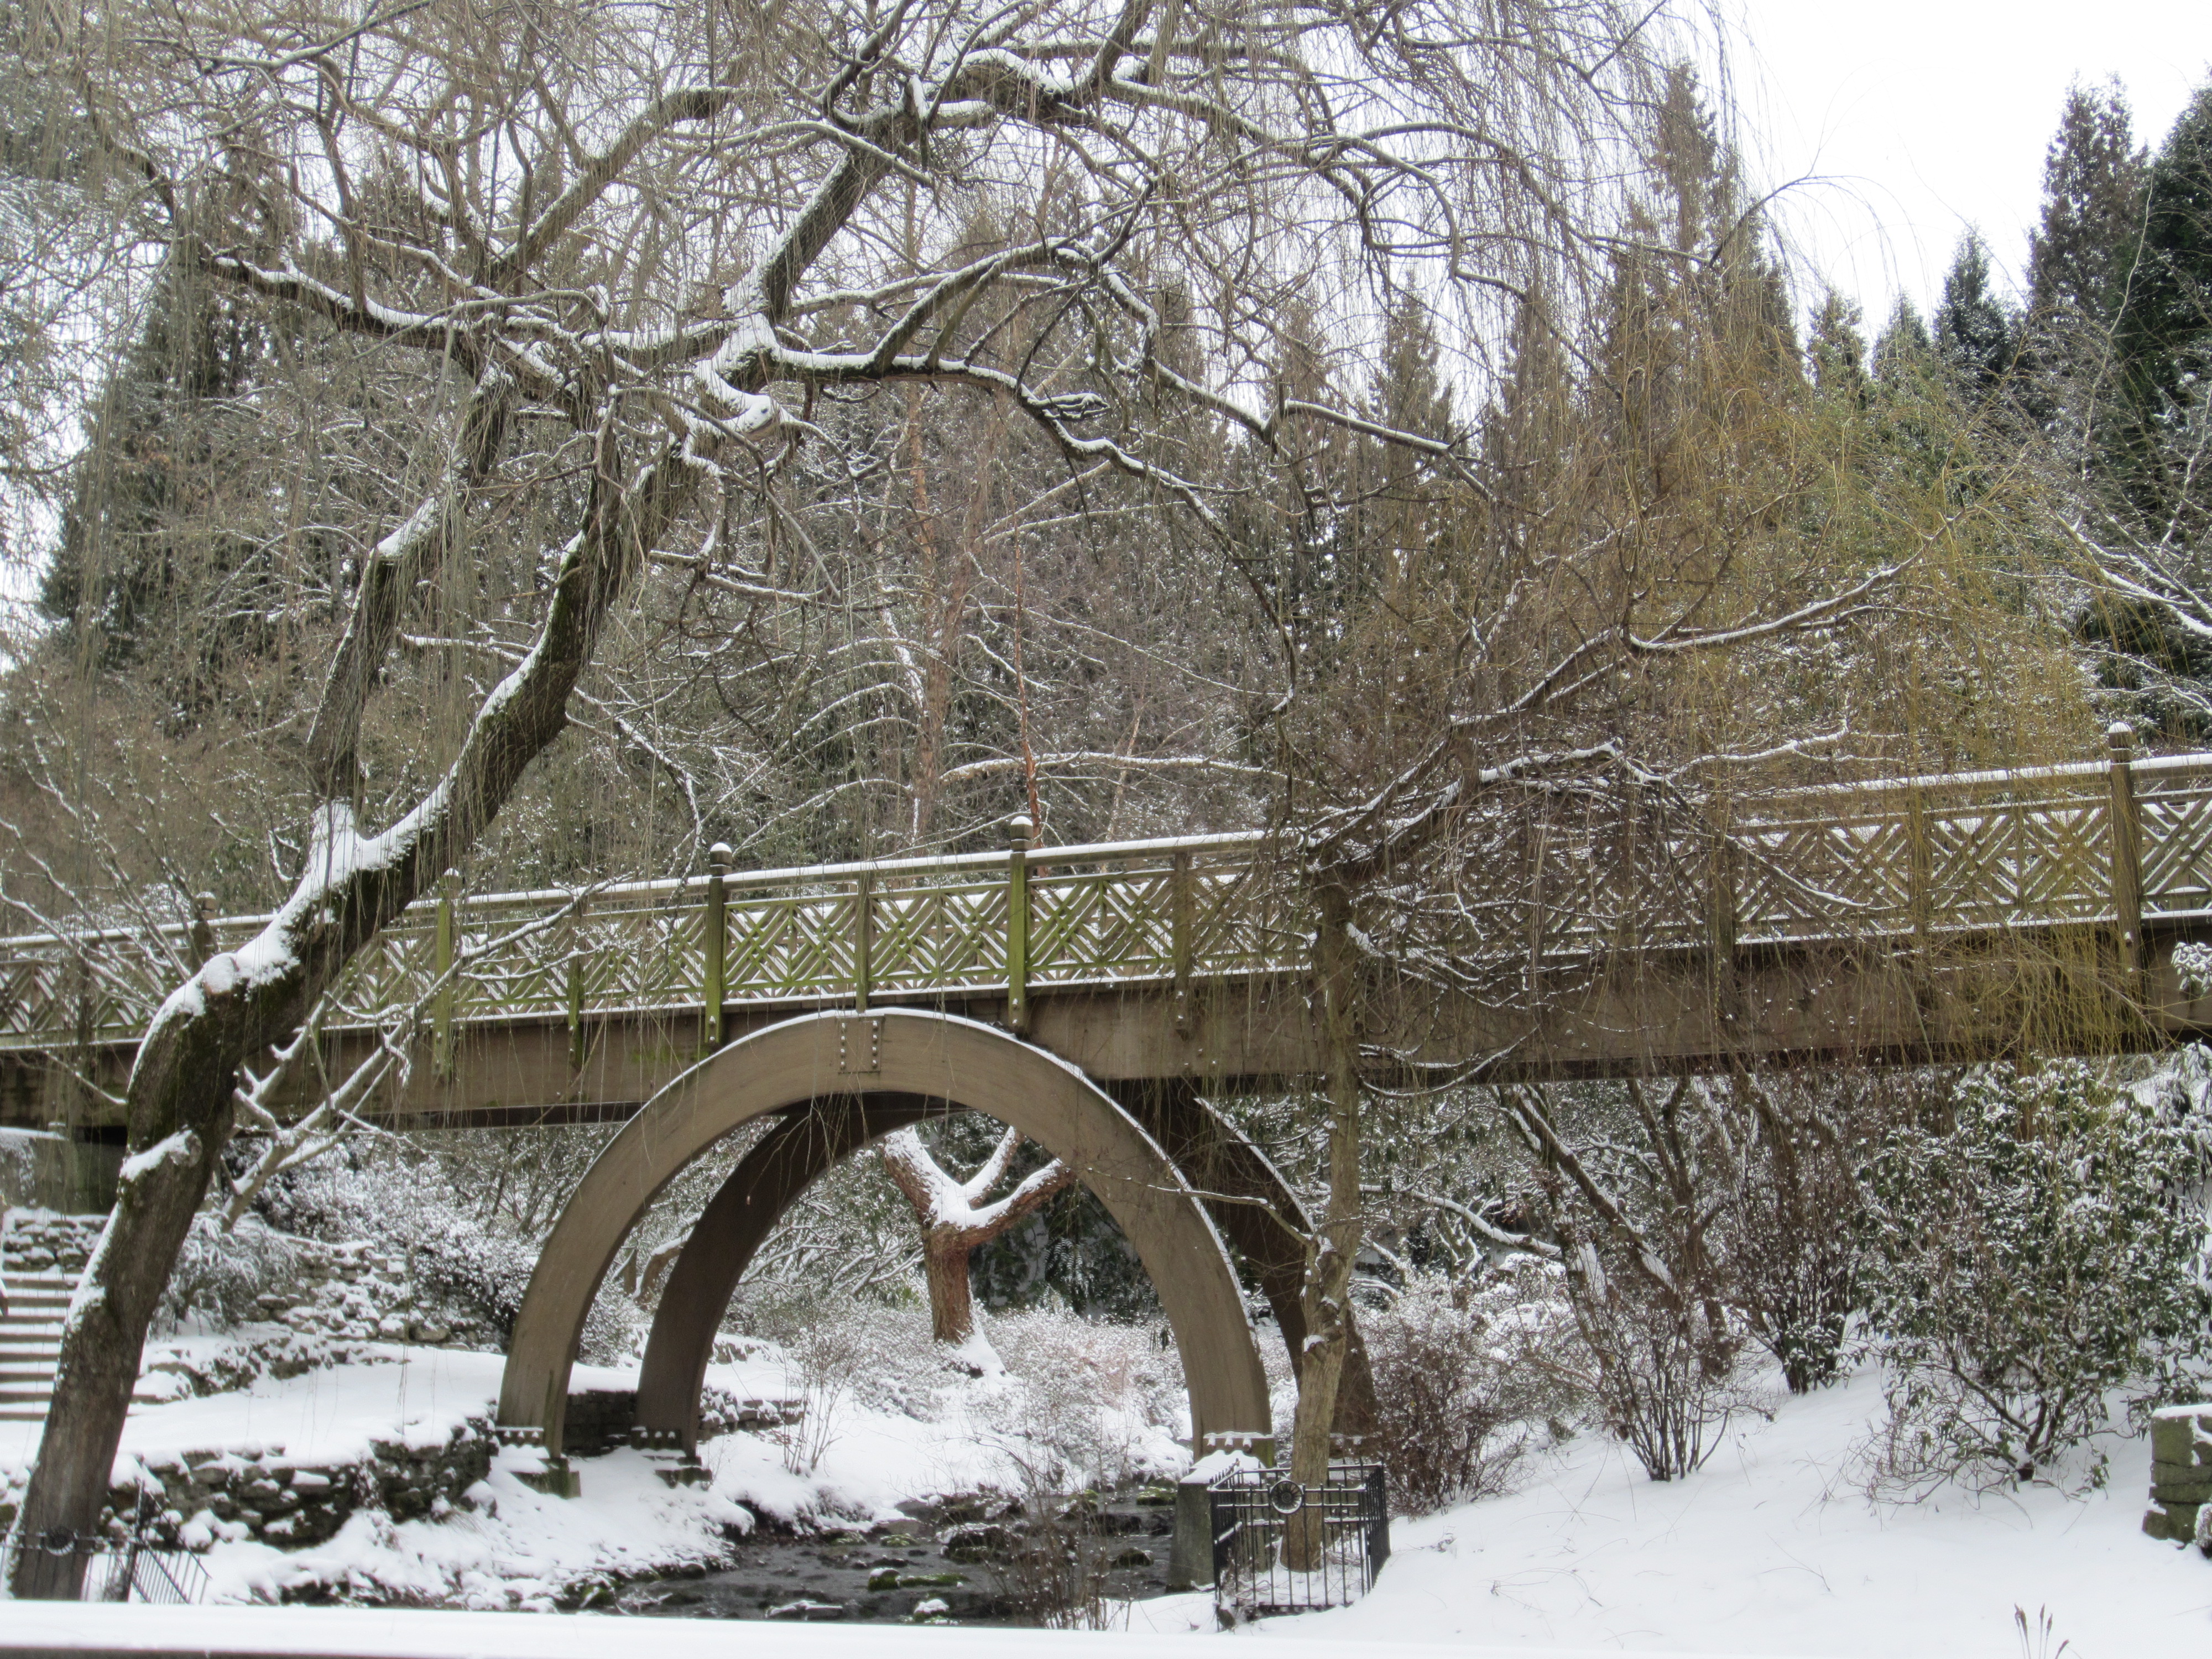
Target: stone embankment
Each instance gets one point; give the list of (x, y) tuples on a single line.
[(255, 1491), (45, 1242), (2181, 1476)]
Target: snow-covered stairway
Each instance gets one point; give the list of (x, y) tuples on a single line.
[(30, 1343)]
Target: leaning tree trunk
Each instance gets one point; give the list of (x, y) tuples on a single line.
[(184, 1093), (181, 1091)]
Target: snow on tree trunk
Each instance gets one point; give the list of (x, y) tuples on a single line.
[(1330, 1255)]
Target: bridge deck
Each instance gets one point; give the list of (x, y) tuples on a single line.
[(1648, 936)]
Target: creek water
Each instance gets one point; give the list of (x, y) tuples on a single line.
[(948, 1561)]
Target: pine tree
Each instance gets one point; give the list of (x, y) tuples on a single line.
[(1903, 347), (1837, 349), (144, 537), (1974, 333), (2164, 329), (2162, 339), (2093, 176)]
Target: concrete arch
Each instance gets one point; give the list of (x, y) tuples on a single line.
[(737, 1221), (1250, 1203), (922, 1057)]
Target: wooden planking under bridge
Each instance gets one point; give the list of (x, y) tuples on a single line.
[(1920, 918)]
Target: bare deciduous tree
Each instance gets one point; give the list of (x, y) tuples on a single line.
[(960, 1216), (624, 256)]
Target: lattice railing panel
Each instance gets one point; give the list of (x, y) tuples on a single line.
[(2177, 845), (1102, 925), (791, 946), (953, 937), (1241, 924), (1803, 877), (2017, 863), (393, 974)]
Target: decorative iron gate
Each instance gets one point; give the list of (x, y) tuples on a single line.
[(131, 1570), (1264, 1522)]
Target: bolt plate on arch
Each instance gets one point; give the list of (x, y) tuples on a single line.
[(861, 1045)]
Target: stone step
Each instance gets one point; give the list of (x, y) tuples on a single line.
[(31, 1342)]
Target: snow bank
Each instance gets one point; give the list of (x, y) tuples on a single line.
[(1770, 1549)]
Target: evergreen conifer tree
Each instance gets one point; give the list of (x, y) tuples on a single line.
[(1837, 349), (2165, 314), (2093, 174), (1903, 346), (1974, 328)]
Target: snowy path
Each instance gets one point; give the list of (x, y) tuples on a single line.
[(355, 1633)]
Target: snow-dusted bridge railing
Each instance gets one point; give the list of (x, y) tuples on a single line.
[(999, 923), (2116, 842)]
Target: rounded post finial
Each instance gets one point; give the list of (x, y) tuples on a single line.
[(203, 905), (1020, 831), (718, 858), (2120, 737)]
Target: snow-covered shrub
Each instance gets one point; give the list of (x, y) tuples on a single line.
[(820, 1330), (460, 1251), (1469, 1378), (1098, 1397), (2193, 968), (221, 1276), (2045, 1251), (1788, 1240), (1665, 1378)]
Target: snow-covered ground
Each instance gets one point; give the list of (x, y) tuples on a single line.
[(357, 1633), (1768, 1550), (515, 1548)]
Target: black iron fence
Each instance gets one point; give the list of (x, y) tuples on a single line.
[(128, 1569), (1280, 1547)]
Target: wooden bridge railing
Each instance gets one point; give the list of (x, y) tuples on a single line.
[(2115, 843), (1002, 923)]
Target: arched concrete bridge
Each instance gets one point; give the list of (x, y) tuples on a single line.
[(1093, 996)]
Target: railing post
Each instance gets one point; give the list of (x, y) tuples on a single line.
[(1019, 834), (864, 939), (1721, 899), (2127, 850), (1181, 903), (203, 930), (441, 1042), (713, 993), (576, 988), (1722, 923), (1918, 900)]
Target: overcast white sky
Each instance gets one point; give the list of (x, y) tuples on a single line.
[(1920, 116)]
